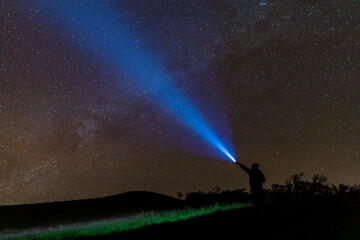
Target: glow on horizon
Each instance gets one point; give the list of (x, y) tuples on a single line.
[(110, 39)]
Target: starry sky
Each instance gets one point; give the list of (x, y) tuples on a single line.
[(282, 77)]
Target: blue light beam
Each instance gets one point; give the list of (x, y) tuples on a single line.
[(102, 31)]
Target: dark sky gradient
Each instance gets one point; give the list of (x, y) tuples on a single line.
[(283, 77)]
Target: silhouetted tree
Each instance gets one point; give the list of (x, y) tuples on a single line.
[(334, 189), (217, 189), (354, 188), (278, 189), (179, 195), (295, 185), (318, 185), (343, 188)]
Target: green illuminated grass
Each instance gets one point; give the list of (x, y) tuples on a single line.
[(122, 225)]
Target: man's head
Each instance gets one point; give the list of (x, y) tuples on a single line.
[(255, 166)]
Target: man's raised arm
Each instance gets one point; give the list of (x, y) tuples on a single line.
[(243, 167)]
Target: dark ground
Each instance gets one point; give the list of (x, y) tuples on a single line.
[(327, 218), (315, 217), (47, 214)]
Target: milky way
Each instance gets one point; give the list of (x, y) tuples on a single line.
[(283, 78)]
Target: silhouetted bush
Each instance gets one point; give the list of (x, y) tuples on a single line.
[(294, 187), (198, 199)]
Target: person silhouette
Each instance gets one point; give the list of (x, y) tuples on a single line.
[(256, 179)]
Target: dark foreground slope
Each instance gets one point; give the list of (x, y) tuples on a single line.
[(34, 215), (328, 218)]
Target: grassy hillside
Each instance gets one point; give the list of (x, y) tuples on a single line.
[(113, 226), (44, 214), (315, 218)]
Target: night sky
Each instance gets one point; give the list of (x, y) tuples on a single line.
[(279, 79)]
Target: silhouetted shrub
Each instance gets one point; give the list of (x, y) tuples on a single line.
[(343, 188), (294, 187), (198, 199)]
